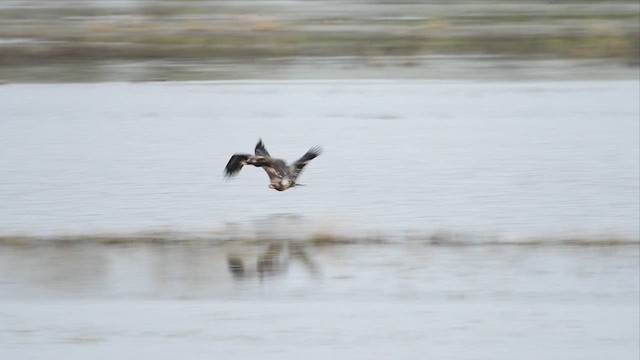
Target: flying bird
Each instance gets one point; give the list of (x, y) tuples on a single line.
[(281, 175)]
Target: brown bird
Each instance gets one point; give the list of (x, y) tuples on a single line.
[(281, 175)]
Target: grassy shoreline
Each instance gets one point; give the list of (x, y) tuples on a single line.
[(235, 32), (618, 49), (316, 239)]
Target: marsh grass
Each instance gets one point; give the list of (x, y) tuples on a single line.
[(205, 30), (319, 238)]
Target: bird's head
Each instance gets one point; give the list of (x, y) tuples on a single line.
[(277, 187)]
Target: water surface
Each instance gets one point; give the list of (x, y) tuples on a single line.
[(347, 301), (508, 159)]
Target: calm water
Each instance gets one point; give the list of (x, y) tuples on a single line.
[(511, 159), (397, 301)]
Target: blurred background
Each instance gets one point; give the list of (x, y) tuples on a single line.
[(198, 39), (478, 195)]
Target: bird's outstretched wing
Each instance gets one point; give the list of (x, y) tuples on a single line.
[(235, 164), (261, 150), (299, 164)]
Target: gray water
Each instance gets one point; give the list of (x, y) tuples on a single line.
[(505, 159), (402, 301), (402, 158)]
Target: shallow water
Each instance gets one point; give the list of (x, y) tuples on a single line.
[(80, 300), (511, 159)]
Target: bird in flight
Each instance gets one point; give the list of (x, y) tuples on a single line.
[(281, 175)]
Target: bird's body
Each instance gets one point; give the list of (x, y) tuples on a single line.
[(281, 175)]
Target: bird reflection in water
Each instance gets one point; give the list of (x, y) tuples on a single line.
[(274, 260)]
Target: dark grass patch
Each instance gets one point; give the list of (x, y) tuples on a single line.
[(245, 47)]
